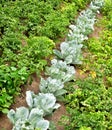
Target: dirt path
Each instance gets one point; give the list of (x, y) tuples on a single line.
[(97, 30)]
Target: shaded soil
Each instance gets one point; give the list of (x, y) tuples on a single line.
[(97, 29)]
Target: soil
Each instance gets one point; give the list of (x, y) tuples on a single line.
[(5, 124), (97, 30)]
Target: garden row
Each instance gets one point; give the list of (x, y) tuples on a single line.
[(60, 72), (25, 30), (89, 102)]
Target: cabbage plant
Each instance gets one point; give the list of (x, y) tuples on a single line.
[(84, 26), (70, 52), (54, 86), (24, 119), (60, 70), (96, 4), (76, 34), (45, 102), (85, 22)]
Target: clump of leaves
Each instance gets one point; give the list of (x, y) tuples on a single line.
[(96, 5), (45, 102), (70, 52), (42, 44), (54, 86), (11, 79), (89, 106), (60, 70), (36, 50), (5, 100), (25, 119)]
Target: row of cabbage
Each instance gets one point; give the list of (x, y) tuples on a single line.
[(60, 72)]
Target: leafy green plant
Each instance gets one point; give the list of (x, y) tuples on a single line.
[(12, 41), (83, 27), (36, 51), (60, 70), (101, 51), (23, 119), (107, 7), (10, 82), (45, 102), (52, 31), (70, 52), (5, 100), (89, 106), (43, 45), (81, 3), (84, 23), (96, 4), (54, 86), (12, 77)]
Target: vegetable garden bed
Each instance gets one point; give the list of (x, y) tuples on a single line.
[(61, 73)]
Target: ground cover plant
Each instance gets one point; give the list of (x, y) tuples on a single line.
[(30, 18), (41, 100), (26, 30)]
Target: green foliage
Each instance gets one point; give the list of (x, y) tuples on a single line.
[(5, 100), (90, 106), (30, 18), (80, 3), (36, 50), (55, 25), (21, 56), (43, 45), (11, 79), (19, 62), (102, 51), (107, 7)]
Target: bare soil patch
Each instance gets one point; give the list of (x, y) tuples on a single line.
[(97, 29)]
